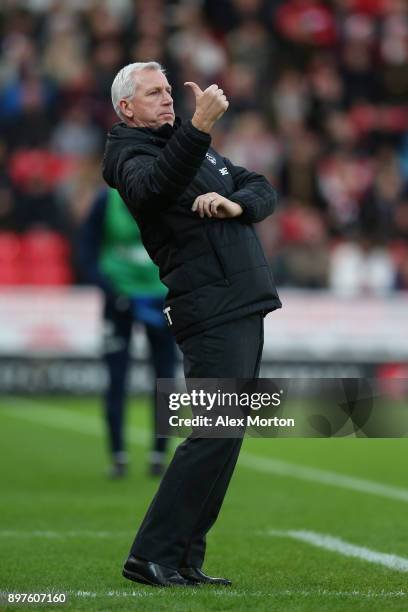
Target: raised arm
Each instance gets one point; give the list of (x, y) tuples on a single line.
[(142, 176)]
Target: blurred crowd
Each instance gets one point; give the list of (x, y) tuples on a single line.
[(318, 96)]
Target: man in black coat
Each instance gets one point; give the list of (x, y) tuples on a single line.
[(195, 211)]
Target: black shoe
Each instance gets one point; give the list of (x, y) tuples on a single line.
[(153, 574), (156, 469), (196, 576), (157, 464), (118, 470)]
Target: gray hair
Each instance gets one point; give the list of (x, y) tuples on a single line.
[(124, 83)]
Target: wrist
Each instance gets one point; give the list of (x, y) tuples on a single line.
[(201, 124), (238, 209)]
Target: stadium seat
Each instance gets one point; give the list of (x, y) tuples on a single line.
[(46, 258), (10, 247), (44, 246), (10, 259), (49, 274), (10, 275)]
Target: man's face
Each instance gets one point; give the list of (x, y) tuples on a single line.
[(152, 104)]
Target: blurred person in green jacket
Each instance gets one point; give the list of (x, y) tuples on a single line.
[(113, 257)]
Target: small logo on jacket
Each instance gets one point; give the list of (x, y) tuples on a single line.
[(211, 158), (166, 312), (223, 171)]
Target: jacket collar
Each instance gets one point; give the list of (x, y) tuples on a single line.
[(163, 132)]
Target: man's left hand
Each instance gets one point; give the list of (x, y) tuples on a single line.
[(214, 205)]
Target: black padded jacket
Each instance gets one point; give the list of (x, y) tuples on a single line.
[(215, 269)]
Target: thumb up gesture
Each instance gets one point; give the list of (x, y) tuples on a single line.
[(211, 104)]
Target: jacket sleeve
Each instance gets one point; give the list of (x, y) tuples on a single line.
[(253, 193), (147, 178)]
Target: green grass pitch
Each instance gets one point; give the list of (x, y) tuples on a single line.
[(65, 528)]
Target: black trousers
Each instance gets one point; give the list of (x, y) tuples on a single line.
[(192, 490)]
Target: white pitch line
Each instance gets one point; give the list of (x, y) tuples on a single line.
[(325, 477), (83, 424), (154, 593), (244, 593), (328, 542), (63, 419)]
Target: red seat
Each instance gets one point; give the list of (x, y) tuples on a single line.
[(10, 259), (46, 258), (10, 247), (10, 274), (44, 246), (48, 274)]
